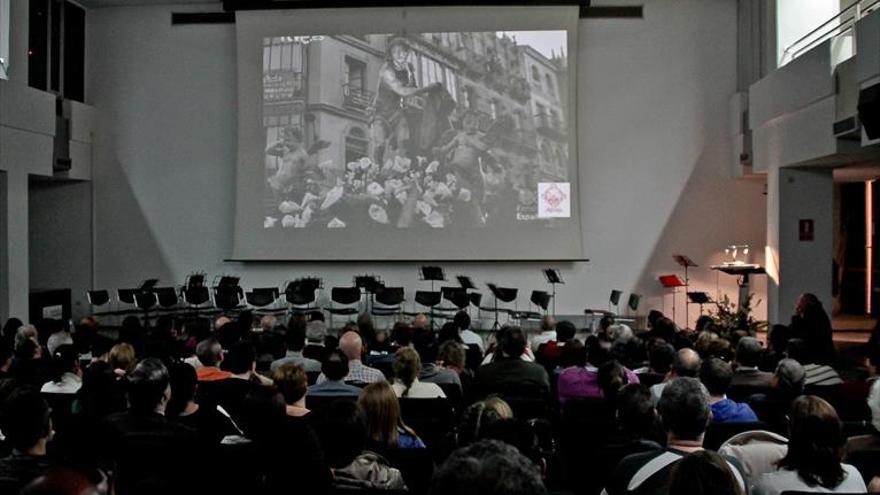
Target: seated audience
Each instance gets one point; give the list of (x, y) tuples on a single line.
[(334, 370), (660, 357), (613, 376), (342, 429), (385, 427), (27, 424), (758, 451), (453, 356), (508, 374), (749, 355), (488, 467), (468, 336), (352, 346), (704, 473), (777, 341), (57, 339), (67, 376), (685, 414), (210, 425), (426, 347), (148, 452), (291, 381), (478, 416), (549, 353), (716, 376), (230, 393), (548, 332), (407, 367), (772, 407), (816, 374), (296, 342), (813, 462), (685, 363), (210, 356)]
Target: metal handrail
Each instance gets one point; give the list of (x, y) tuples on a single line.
[(840, 28)]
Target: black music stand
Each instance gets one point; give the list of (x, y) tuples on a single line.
[(685, 262), (465, 282), (553, 278), (506, 294), (742, 271), (699, 298), (369, 284)]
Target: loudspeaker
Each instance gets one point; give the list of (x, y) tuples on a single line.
[(633, 302), (615, 297), (869, 110)]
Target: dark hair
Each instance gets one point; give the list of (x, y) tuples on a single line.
[(290, 379), (335, 366), (660, 356), (598, 350), (664, 328), (513, 343), (573, 354), (342, 429), (487, 467), (449, 331), (815, 442), (719, 348), (9, 328), (716, 375), (703, 323), (64, 360), (635, 410), (653, 316), (684, 408), (296, 337), (146, 384), (778, 338), (183, 388), (749, 352), (611, 377), (424, 343), (25, 350), (402, 333), (797, 349), (240, 359), (703, 473), (101, 394), (26, 418), (462, 319), (565, 331)]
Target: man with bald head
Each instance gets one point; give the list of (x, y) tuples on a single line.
[(686, 363), (351, 344), (420, 322)]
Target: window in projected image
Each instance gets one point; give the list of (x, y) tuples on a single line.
[(429, 130)]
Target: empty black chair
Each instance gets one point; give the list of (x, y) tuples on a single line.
[(415, 465), (388, 301), (318, 402), (196, 297), (528, 407), (228, 297), (428, 298), (261, 297), (302, 295), (454, 396), (126, 296), (97, 299), (312, 376), (349, 297), (718, 433), (166, 297)]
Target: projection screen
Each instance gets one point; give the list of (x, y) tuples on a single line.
[(429, 133)]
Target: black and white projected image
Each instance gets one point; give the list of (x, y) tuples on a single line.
[(430, 130)]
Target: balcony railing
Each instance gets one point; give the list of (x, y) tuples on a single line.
[(840, 25), (355, 97)]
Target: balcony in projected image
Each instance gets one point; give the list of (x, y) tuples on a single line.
[(549, 127), (356, 98)]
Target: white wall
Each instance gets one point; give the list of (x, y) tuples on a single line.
[(652, 114), (796, 18)]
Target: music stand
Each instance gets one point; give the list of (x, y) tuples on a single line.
[(700, 298), (148, 284), (614, 300), (369, 284), (671, 282), (465, 282), (505, 294), (553, 277), (685, 262)]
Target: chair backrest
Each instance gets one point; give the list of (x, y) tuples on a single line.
[(345, 295), (145, 300), (196, 295), (167, 296), (528, 407), (300, 294), (427, 298), (227, 297), (430, 418), (476, 298), (389, 296), (741, 393), (126, 295), (98, 297), (415, 465), (262, 296), (318, 402), (718, 433), (454, 395)]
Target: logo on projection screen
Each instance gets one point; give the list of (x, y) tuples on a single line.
[(554, 200)]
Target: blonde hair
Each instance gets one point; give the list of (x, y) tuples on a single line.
[(382, 412), (122, 357), (407, 366)]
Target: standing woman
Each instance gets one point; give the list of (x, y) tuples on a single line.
[(385, 427)]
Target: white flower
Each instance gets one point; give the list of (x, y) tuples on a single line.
[(307, 214), (288, 221), (464, 194), (336, 224), (308, 198), (434, 219), (393, 185), (332, 197), (269, 222), (424, 208), (288, 207), (375, 189), (428, 197), (300, 223), (442, 190), (352, 166), (378, 213), (401, 196), (432, 167), (365, 163), (401, 164)]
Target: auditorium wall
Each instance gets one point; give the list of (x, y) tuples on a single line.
[(653, 151)]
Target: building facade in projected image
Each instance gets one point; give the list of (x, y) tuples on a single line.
[(423, 130)]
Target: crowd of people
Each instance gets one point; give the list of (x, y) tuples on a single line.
[(246, 405)]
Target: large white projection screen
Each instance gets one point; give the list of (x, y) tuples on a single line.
[(407, 134)]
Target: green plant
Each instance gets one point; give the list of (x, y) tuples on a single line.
[(730, 318)]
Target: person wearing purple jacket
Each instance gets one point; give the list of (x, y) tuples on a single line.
[(716, 376), (581, 381)]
